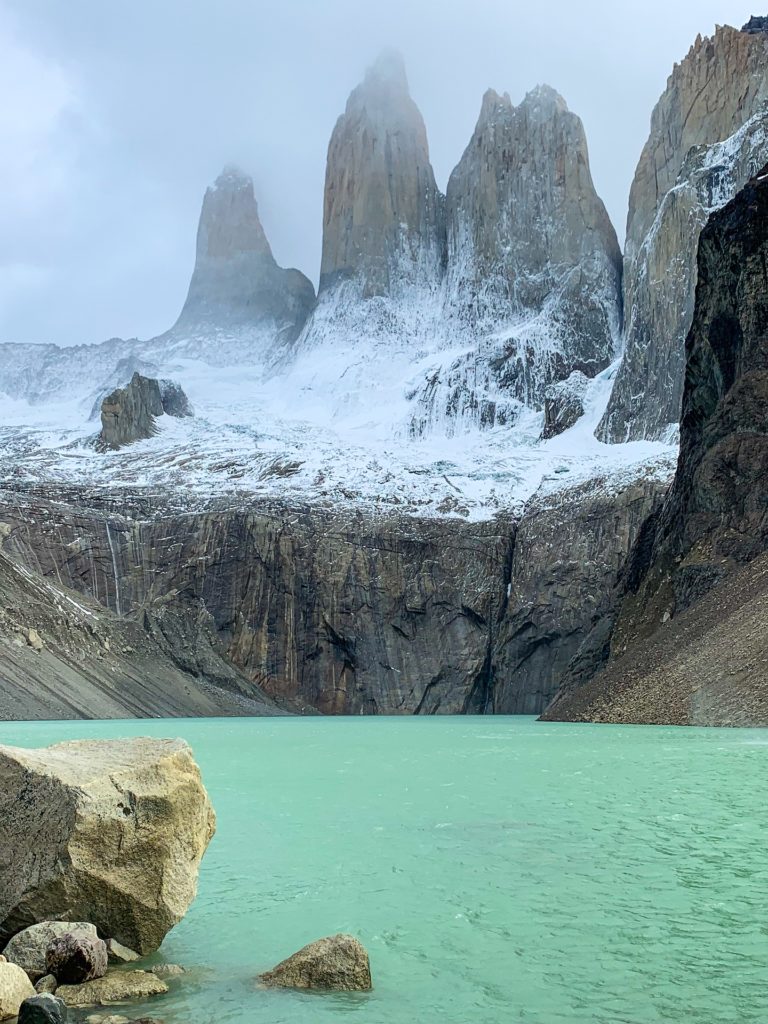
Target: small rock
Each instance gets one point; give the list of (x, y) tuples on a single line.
[(99, 1018), (167, 970), (27, 948), (338, 963), (34, 640), (46, 984), (15, 987), (73, 959), (43, 1009), (114, 987), (119, 954)]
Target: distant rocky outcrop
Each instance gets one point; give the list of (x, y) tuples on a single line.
[(383, 224), (564, 404), (709, 135), (72, 835), (129, 413), (534, 266), (237, 285), (689, 645)]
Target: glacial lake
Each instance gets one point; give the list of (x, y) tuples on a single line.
[(497, 869)]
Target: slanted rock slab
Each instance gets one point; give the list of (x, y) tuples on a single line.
[(46, 984), (114, 987), (28, 947), (338, 963), (113, 830), (15, 987)]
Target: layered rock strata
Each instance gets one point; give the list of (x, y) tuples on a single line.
[(696, 588), (709, 135)]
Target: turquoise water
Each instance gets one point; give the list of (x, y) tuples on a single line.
[(497, 869)]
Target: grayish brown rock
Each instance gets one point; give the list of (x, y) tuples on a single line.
[(69, 834), (46, 985), (119, 954), (528, 237), (28, 947), (383, 215), (236, 284), (338, 963), (43, 1009), (15, 987), (709, 135), (114, 987), (564, 404), (168, 970), (129, 413), (72, 959)]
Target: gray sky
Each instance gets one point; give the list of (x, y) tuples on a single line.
[(118, 114)]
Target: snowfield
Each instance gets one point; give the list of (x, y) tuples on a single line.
[(329, 428)]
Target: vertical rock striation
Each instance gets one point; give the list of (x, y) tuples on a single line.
[(690, 645), (533, 264), (709, 135), (236, 284)]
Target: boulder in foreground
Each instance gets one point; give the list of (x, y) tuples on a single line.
[(114, 987), (43, 1009), (27, 948), (113, 831), (15, 987), (338, 963)]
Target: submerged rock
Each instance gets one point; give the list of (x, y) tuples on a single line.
[(43, 1009), (28, 947), (338, 963), (15, 987), (72, 959), (114, 987), (114, 830)]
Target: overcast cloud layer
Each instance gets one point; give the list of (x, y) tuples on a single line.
[(117, 115)]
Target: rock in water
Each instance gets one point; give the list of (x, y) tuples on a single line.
[(28, 947), (236, 284), (338, 963), (43, 1009), (114, 987), (113, 830), (72, 959), (709, 136), (128, 414), (15, 987)]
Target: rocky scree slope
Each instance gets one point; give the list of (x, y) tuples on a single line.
[(709, 136), (689, 644)]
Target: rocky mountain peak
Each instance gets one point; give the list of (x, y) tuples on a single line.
[(236, 283), (383, 220), (756, 24), (544, 102), (709, 135)]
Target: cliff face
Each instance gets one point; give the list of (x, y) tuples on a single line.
[(236, 283), (527, 231), (696, 589), (709, 135), (383, 214)]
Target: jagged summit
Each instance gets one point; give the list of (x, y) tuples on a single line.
[(382, 222), (756, 25), (236, 284), (544, 100), (709, 135)]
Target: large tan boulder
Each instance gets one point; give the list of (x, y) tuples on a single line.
[(338, 963), (114, 987), (15, 987), (108, 831)]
